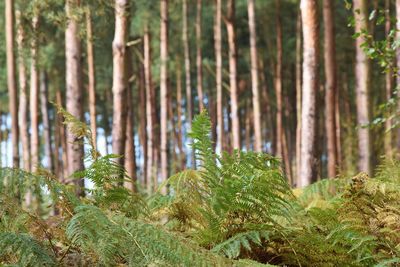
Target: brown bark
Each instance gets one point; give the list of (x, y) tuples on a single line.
[(120, 79), (11, 82), (74, 94), (298, 95), (150, 170), (330, 86), (362, 71), (309, 14), (91, 78), (254, 77), (230, 25), (182, 156), (130, 151), (218, 60), (388, 85), (398, 66), (63, 139), (34, 100), (23, 99), (164, 89), (44, 108), (142, 117), (278, 83), (199, 58)]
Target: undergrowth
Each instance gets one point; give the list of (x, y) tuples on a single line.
[(233, 210)]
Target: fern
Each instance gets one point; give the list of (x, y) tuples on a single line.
[(24, 250)]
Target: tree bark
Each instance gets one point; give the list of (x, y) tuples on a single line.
[(73, 93), (149, 110), (46, 121), (388, 85), (182, 156), (34, 99), (298, 95), (120, 79), (91, 78), (398, 67), (199, 59), (230, 25), (142, 117), (330, 85), (309, 13), (218, 71), (23, 99), (278, 84), (11, 82), (63, 138), (130, 150), (362, 71), (254, 77), (164, 88)]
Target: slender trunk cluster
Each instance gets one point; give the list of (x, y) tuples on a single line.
[(34, 98)]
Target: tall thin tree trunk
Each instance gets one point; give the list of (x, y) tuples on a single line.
[(398, 67), (142, 117), (330, 86), (254, 77), (120, 79), (63, 138), (298, 95), (218, 71), (130, 151), (185, 40), (164, 88), (46, 120), (149, 109), (388, 80), (309, 14), (23, 99), (91, 77), (199, 59), (362, 83), (34, 99), (74, 93), (11, 82), (230, 25), (278, 83), (182, 156)]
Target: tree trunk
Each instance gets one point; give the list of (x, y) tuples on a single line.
[(74, 93), (11, 82), (149, 110), (23, 99), (398, 66), (120, 79), (254, 77), (199, 59), (46, 121), (330, 85), (63, 139), (189, 99), (130, 151), (142, 117), (362, 84), (230, 24), (278, 84), (34, 100), (164, 88), (388, 80), (298, 95), (91, 78), (182, 156), (218, 60), (309, 13)]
